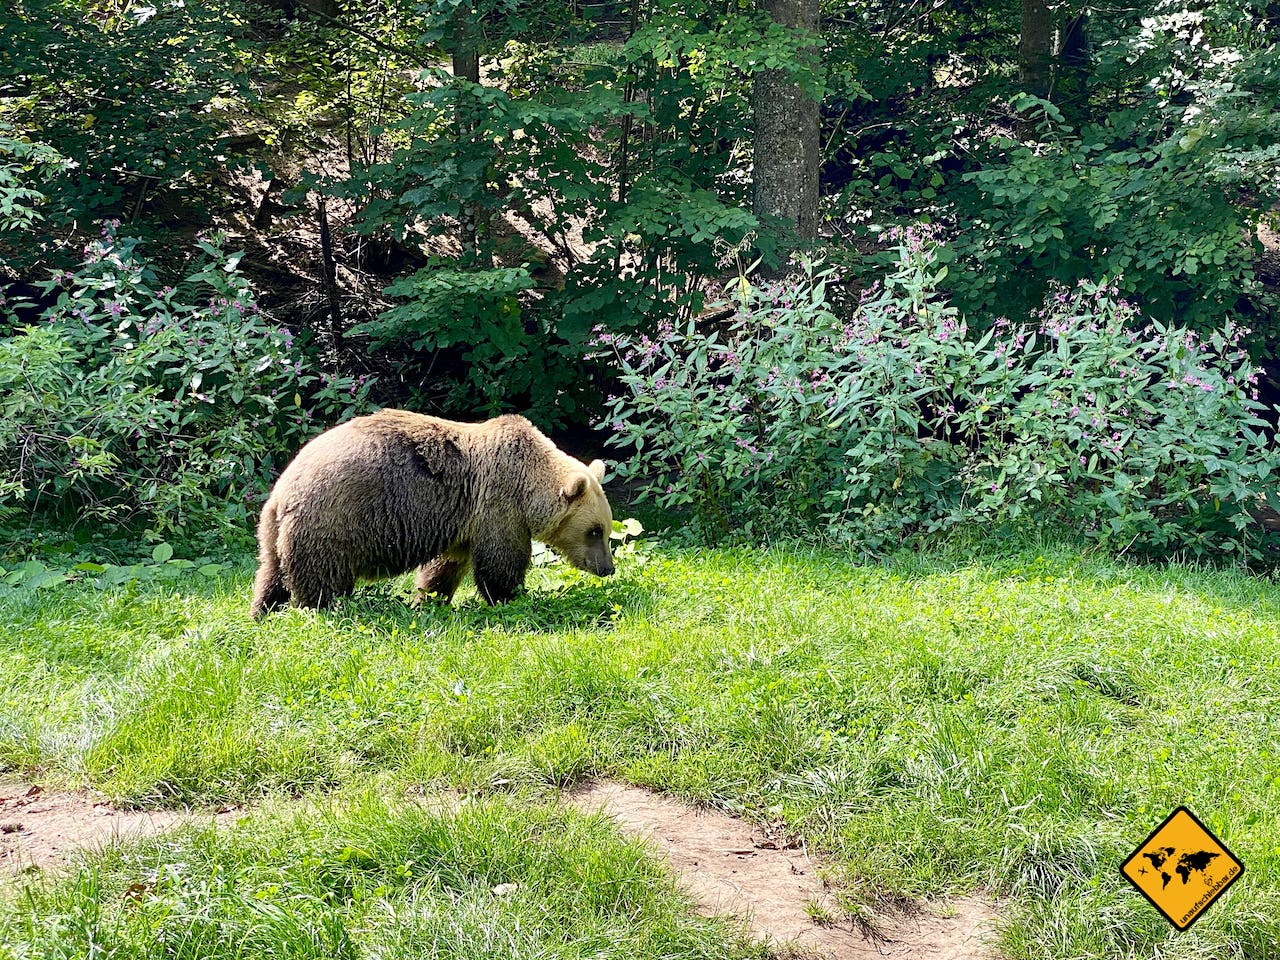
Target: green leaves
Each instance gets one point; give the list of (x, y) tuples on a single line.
[(22, 162), (614, 228), (33, 574), (1140, 216), (897, 420), (127, 98), (164, 406), (446, 306)]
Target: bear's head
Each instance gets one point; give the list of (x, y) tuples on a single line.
[(580, 529)]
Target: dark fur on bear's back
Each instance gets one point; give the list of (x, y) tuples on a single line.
[(383, 494)]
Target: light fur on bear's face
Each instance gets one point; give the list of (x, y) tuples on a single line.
[(580, 532)]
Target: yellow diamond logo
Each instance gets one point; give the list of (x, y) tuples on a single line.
[(1182, 868)]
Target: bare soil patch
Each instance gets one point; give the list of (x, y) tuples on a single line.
[(730, 868), (727, 865), (44, 829)]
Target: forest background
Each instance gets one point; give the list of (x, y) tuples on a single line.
[(871, 269)]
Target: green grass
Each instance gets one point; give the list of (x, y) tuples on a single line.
[(355, 876), (1015, 722)]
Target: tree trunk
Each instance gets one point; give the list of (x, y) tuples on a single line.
[(329, 271), (624, 139), (786, 133), (1075, 59), (466, 64), (1035, 48)]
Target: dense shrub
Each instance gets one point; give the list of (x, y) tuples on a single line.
[(128, 400), (575, 186), (1149, 205), (22, 166), (899, 419), (131, 92), (1151, 161)]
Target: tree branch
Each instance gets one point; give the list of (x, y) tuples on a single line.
[(408, 53)]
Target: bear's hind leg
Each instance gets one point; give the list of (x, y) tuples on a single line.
[(269, 591), (439, 579), (316, 586)]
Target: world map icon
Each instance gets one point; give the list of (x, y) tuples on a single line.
[(1182, 868)]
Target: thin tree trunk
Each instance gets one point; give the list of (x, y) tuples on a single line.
[(624, 140), (1035, 47), (262, 215), (330, 273), (1074, 61), (786, 133)]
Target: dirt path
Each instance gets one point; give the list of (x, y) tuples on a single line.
[(41, 829), (722, 862), (729, 868)]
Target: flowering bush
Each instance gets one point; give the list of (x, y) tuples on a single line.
[(170, 404), (1135, 433), (789, 420)]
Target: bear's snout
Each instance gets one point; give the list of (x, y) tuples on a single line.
[(598, 562)]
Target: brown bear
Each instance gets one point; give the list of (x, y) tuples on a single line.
[(380, 495)]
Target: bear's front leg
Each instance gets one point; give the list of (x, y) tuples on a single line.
[(499, 560), (439, 579)]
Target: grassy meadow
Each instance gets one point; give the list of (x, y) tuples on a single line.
[(1014, 721)]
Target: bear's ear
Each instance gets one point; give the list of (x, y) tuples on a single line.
[(574, 488), (596, 469)]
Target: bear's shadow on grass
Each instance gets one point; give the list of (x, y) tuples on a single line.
[(575, 606)]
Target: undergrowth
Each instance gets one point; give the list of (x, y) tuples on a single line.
[(887, 421)]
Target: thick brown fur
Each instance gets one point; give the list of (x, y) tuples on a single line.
[(383, 494)]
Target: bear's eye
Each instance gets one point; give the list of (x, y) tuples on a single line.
[(596, 532)]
